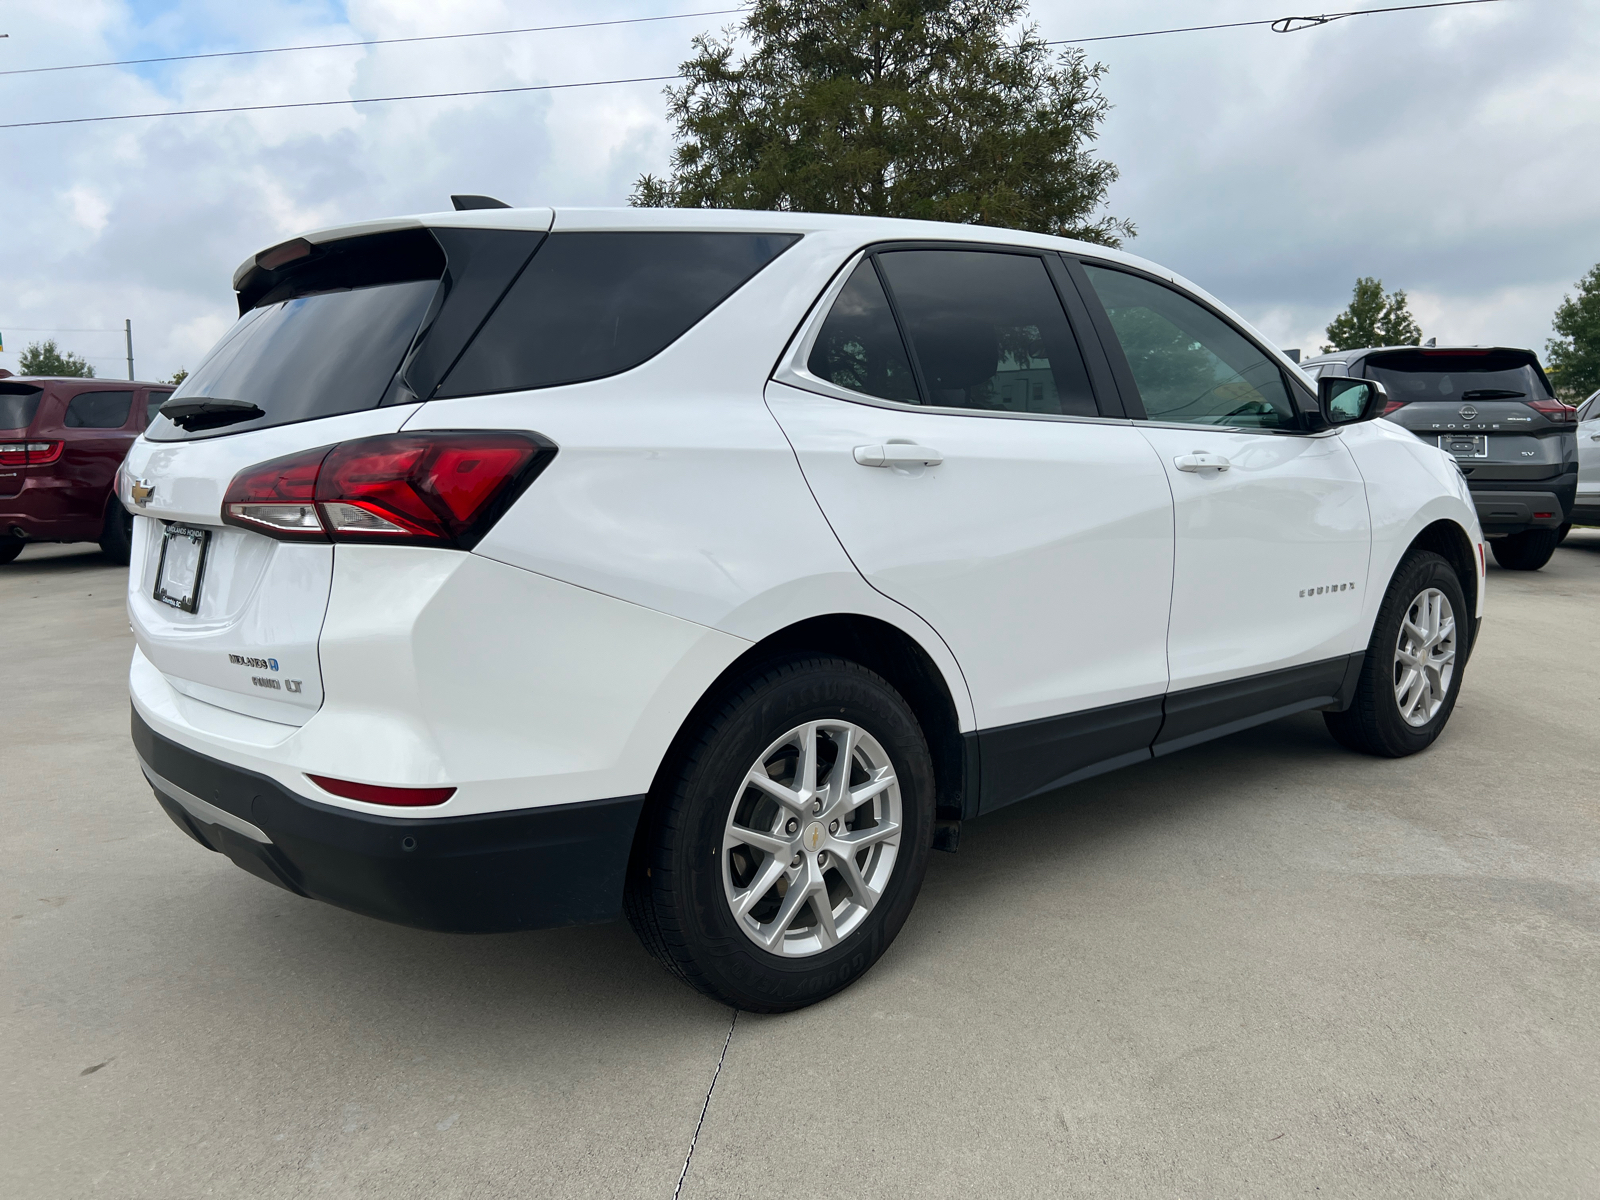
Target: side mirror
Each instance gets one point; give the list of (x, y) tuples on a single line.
[(1346, 401)]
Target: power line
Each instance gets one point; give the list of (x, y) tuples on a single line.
[(194, 112), (26, 329), (435, 37), (1279, 24)]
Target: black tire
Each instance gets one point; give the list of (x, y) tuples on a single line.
[(10, 547), (1373, 724), (1561, 534), (675, 896), (1526, 551), (116, 534)]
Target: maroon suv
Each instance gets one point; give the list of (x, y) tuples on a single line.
[(61, 441)]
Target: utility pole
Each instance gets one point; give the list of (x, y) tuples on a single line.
[(127, 331)]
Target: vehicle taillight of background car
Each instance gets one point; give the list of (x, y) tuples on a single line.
[(443, 489)]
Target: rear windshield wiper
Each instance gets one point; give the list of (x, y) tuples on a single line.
[(1492, 394), (197, 413)]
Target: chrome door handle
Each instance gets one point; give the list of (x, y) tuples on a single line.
[(897, 454), (1594, 437), (1201, 461)]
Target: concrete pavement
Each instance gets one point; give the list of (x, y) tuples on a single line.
[(1264, 967)]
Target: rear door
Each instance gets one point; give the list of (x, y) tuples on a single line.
[(1272, 529), (969, 473)]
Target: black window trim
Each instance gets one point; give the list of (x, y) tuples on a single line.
[(1299, 388), (792, 368)]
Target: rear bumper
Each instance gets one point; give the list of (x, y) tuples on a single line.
[(48, 508), (561, 864), (1505, 507)]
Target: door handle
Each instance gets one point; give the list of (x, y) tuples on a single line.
[(896, 454), (1594, 437), (1201, 461)]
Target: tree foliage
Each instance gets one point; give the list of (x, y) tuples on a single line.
[(1373, 319), (179, 375), (1574, 353), (46, 358), (944, 110)]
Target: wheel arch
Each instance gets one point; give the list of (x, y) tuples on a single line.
[(1451, 542), (884, 649)]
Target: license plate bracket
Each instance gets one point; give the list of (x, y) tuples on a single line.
[(1465, 445), (182, 565)]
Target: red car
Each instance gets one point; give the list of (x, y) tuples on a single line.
[(61, 441)]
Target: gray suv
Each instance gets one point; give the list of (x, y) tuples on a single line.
[(1493, 409)]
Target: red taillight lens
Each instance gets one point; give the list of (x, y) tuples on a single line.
[(1393, 406), (278, 497), (29, 454), (430, 489), (373, 793), (1553, 409)]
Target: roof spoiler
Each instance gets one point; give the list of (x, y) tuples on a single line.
[(463, 203)]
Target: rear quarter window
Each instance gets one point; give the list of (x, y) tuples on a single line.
[(152, 405), (18, 406), (98, 410), (590, 305)]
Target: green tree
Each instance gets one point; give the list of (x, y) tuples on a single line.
[(46, 358), (179, 375), (1373, 319), (1574, 353), (946, 110)]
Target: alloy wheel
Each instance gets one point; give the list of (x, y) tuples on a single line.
[(811, 838), (1424, 657)]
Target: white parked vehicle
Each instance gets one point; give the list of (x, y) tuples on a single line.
[(510, 568), (1587, 509)]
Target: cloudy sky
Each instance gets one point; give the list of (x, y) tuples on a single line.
[(1454, 152)]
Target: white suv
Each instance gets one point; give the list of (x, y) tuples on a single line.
[(511, 568)]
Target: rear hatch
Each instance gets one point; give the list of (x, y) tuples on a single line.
[(1493, 409), (336, 340), (19, 410)]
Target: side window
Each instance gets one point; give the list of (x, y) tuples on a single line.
[(152, 405), (1190, 365), (589, 305), (859, 346), (98, 410), (988, 331)]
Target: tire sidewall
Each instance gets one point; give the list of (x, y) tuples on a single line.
[(739, 968), (1424, 572)]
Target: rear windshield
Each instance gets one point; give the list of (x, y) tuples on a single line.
[(1415, 375), (590, 305), (17, 407), (325, 337)]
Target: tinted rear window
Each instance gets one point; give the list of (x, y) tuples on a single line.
[(17, 408), (310, 356), (98, 410), (590, 305), (322, 335), (153, 403), (1413, 376)]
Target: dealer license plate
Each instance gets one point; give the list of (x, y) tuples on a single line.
[(1465, 445), (183, 561)]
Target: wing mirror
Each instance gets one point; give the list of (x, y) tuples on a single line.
[(1346, 401)]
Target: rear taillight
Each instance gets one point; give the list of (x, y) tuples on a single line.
[(1393, 406), (1553, 409), (418, 489), (29, 454)]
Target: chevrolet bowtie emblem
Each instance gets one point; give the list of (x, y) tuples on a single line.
[(141, 492)]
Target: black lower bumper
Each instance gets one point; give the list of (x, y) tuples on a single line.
[(526, 869), (1505, 506)]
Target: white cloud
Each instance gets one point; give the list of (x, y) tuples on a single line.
[(1449, 153)]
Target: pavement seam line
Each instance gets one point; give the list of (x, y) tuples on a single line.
[(706, 1107)]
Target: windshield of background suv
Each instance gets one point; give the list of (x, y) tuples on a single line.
[(17, 407), (1413, 376)]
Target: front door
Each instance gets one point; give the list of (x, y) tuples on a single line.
[(972, 480), (1272, 528)]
